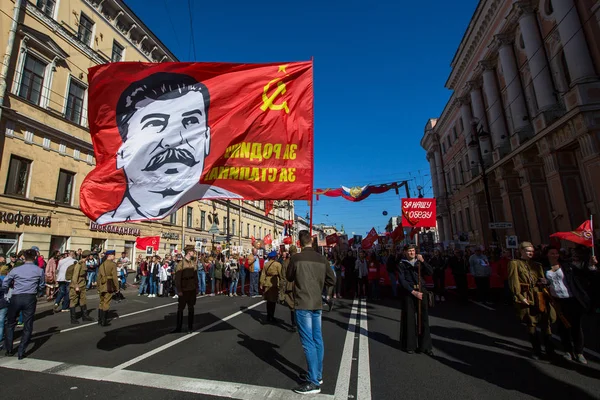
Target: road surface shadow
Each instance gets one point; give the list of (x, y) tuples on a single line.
[(267, 352), (376, 336), (503, 370), (262, 318)]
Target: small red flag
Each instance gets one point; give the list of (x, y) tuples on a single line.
[(582, 235), (268, 239), (268, 206), (398, 234), (142, 242)]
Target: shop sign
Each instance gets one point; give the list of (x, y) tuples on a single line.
[(169, 235), (119, 230), (24, 219), (199, 239)]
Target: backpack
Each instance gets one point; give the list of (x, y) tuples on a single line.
[(69, 273)]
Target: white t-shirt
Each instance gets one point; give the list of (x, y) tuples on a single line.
[(558, 287)]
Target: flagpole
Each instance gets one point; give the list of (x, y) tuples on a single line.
[(311, 215), (592, 228)]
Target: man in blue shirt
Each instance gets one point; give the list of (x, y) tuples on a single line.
[(26, 281)]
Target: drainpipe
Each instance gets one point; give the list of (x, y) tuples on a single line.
[(12, 33)]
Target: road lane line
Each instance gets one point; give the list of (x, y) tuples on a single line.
[(183, 338), (364, 368), (342, 386), (482, 305), (158, 381)]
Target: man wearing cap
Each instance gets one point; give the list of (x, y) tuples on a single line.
[(77, 289), (186, 282), (27, 281), (107, 272), (269, 284)]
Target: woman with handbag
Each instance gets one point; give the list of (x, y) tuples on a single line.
[(527, 284), (108, 283), (269, 284)]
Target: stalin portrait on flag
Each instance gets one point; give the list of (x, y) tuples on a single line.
[(167, 134)]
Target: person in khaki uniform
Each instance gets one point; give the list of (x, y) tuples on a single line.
[(286, 288), (108, 283), (186, 282), (269, 284), (527, 283), (77, 289)]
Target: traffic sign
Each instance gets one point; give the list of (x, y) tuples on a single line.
[(500, 225)]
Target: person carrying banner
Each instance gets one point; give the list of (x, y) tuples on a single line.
[(186, 282), (526, 281), (108, 284), (413, 292)]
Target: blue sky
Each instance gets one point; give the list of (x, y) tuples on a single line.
[(380, 70)]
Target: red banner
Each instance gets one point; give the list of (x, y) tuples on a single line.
[(166, 134), (398, 234), (370, 240), (418, 213), (142, 242), (332, 239)]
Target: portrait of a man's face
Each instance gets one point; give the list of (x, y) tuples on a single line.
[(163, 123)]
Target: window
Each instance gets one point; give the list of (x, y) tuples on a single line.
[(64, 191), (32, 79), (468, 215), (46, 143), (459, 221), (247, 230), (461, 175), (76, 154), (85, 29), (173, 218), (443, 148), (18, 175), (203, 220), (47, 7), (254, 230), (260, 231), (117, 52), (460, 124), (233, 227), (190, 217), (454, 133), (565, 68), (75, 102), (454, 176), (224, 224), (448, 141)]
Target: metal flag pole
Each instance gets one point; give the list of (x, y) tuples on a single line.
[(419, 312), (592, 228)]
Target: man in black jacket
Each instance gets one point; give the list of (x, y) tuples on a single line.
[(310, 272), (349, 264), (410, 339)]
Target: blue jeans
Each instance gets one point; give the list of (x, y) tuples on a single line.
[(233, 286), (2, 319), (309, 328), (254, 283), (152, 286), (91, 278), (243, 277), (63, 293), (202, 281), (143, 287)]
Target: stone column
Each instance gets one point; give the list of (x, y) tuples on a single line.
[(433, 172), (497, 121), (467, 117), (560, 212), (528, 199), (538, 65), (577, 53), (479, 111), (515, 98)]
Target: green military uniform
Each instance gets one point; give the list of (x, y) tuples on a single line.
[(186, 282), (77, 290), (106, 272)]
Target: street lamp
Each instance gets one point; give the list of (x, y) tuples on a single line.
[(478, 134)]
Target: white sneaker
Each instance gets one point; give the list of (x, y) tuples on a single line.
[(175, 297)]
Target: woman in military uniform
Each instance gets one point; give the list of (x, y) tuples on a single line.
[(527, 284), (108, 283), (269, 283)]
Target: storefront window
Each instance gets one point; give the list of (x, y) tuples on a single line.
[(58, 243), (8, 243)]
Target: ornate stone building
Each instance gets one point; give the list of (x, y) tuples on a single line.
[(45, 146), (526, 94)]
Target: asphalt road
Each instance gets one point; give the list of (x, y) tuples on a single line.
[(480, 353)]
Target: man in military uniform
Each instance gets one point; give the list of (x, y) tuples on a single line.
[(77, 289), (108, 283), (186, 282)]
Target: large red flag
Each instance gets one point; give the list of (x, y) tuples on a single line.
[(582, 235), (170, 133), (143, 242)]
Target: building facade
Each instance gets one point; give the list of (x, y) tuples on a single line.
[(45, 146), (525, 104)]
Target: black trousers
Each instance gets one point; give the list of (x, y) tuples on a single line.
[(462, 286), (571, 338), (483, 288), (439, 282), (271, 310), (20, 303), (187, 299), (410, 340)]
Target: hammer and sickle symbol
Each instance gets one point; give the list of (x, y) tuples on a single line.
[(269, 101)]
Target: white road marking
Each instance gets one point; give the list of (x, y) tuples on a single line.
[(364, 368), (342, 385), (482, 305), (176, 383), (183, 338)]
